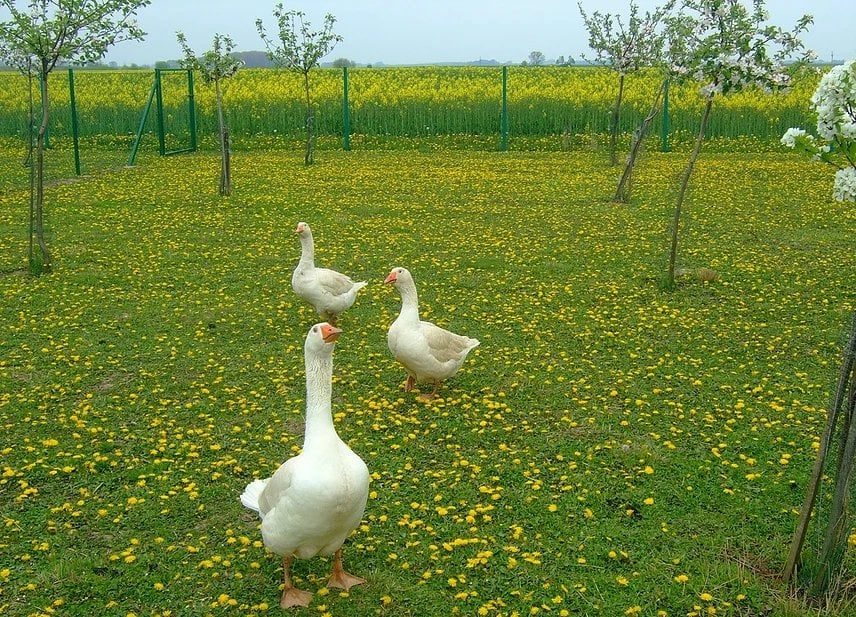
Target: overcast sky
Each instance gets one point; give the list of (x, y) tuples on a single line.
[(427, 31)]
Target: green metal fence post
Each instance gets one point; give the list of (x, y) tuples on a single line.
[(159, 99), (504, 120), (346, 111), (74, 136), (192, 111), (665, 135), (133, 157)]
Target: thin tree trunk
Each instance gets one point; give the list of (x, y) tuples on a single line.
[(616, 117), (225, 167), (31, 119), (226, 175), (40, 177), (847, 368), (838, 525), (673, 251), (309, 158), (31, 163), (622, 193)]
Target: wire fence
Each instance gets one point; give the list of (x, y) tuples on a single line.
[(565, 105)]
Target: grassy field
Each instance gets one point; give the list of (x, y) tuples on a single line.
[(610, 449)]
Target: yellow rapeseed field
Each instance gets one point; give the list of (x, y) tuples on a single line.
[(405, 101)]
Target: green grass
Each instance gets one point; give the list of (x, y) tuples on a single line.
[(609, 446)]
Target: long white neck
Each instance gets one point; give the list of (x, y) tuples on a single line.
[(307, 251), (319, 390), (409, 302)]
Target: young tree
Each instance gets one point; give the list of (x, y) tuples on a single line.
[(727, 47), (46, 31), (301, 50), (671, 43), (622, 192), (214, 66), (625, 49), (26, 65)]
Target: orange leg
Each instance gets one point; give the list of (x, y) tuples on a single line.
[(291, 596), (340, 578), (432, 394), (408, 383)]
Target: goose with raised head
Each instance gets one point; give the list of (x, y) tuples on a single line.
[(330, 292), (427, 352), (314, 500)]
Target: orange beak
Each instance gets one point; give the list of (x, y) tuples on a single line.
[(330, 333), (299, 229), (391, 278)]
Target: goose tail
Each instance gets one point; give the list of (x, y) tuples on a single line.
[(250, 496)]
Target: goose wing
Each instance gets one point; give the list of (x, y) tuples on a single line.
[(334, 283), (445, 346), (277, 486)]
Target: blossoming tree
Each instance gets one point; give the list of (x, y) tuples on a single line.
[(834, 101), (727, 47)]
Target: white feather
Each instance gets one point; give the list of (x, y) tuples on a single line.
[(250, 496)]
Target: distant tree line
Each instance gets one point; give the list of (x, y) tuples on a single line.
[(537, 58), (89, 66), (260, 60), (251, 60)]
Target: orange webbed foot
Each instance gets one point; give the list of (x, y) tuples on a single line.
[(291, 596), (341, 579)]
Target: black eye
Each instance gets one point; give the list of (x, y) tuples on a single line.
[(315, 328)]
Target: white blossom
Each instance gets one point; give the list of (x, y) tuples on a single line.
[(789, 139), (844, 187), (848, 130), (835, 104), (833, 100), (820, 151)]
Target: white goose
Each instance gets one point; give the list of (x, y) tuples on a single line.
[(314, 500), (427, 352), (330, 292)]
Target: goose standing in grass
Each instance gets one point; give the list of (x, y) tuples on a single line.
[(427, 352), (330, 292), (316, 499)]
